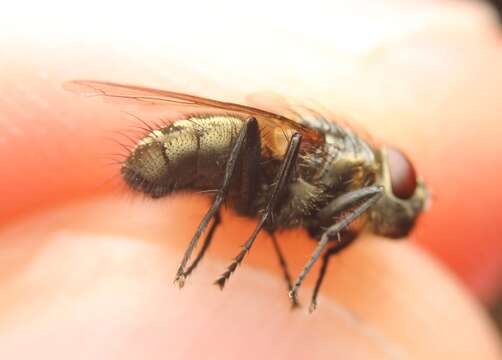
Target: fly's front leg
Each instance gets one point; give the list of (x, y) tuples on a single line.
[(358, 202), (283, 177), (340, 245), (247, 136)]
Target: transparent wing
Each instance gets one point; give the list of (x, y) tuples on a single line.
[(147, 96), (269, 122)]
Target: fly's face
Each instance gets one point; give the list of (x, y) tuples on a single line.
[(404, 196)]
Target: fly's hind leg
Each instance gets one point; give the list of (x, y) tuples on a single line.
[(246, 143), (350, 206), (205, 245), (249, 173)]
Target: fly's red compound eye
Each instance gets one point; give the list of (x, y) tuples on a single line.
[(402, 174)]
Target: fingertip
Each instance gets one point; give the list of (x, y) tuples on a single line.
[(380, 298)]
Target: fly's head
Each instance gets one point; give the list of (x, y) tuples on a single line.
[(147, 166), (405, 195)]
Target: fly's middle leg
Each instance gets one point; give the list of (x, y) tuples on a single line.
[(245, 142), (283, 177), (205, 244)]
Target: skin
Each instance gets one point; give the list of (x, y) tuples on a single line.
[(86, 268)]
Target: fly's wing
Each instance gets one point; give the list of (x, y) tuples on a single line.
[(275, 129)]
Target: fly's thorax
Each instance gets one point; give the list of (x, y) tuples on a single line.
[(190, 153), (337, 166), (348, 162), (404, 198)]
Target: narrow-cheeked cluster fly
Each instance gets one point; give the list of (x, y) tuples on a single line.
[(306, 172)]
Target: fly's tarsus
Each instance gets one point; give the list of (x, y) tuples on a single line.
[(205, 245)]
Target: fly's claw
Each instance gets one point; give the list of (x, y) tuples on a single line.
[(180, 279), (230, 269), (313, 306), (293, 298), (221, 282), (295, 304)]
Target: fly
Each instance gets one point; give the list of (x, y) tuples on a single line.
[(303, 172)]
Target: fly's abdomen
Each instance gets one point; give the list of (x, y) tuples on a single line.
[(188, 154)]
